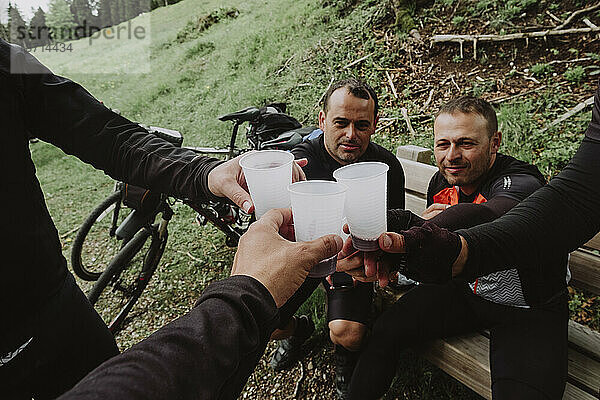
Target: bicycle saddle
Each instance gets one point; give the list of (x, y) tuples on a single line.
[(247, 114)]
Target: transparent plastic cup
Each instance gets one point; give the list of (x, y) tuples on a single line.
[(268, 174), (366, 202), (318, 207)]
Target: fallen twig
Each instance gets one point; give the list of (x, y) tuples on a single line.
[(512, 36), (554, 17), (575, 14), (187, 253), (323, 95), (295, 394), (64, 235), (357, 61), (384, 126), (285, 65), (428, 100), (579, 107), (391, 84), (404, 112), (455, 84), (569, 61), (506, 98)]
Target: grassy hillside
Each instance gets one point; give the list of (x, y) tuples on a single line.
[(206, 58)]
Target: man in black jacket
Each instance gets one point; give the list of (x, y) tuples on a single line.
[(475, 184), (210, 352), (348, 120), (51, 337)]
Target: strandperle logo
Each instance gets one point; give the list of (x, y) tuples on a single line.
[(127, 30)]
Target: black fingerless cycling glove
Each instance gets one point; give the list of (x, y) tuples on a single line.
[(430, 253)]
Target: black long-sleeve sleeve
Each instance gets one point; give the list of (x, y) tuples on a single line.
[(208, 353), (463, 215), (554, 220), (60, 111), (35, 102)]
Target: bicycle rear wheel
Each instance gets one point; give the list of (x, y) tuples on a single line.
[(95, 245), (122, 283)]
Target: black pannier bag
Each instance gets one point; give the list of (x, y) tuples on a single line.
[(278, 130)]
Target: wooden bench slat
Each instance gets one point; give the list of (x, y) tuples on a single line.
[(594, 242), (417, 175), (585, 270), (574, 393), (584, 370), (415, 203), (464, 358), (584, 339)]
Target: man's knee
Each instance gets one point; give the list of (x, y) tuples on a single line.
[(348, 334)]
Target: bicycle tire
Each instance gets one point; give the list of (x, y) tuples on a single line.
[(128, 276), (105, 246), (151, 262)]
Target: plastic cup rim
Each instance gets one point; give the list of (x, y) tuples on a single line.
[(342, 188), (336, 173), (248, 155)]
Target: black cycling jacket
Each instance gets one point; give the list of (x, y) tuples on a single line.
[(63, 113), (207, 354), (554, 220)]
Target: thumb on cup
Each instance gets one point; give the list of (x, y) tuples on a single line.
[(321, 248)]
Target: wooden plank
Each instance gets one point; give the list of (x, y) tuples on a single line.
[(594, 242), (584, 339), (415, 203), (464, 358), (414, 153), (585, 270), (585, 371), (574, 393), (417, 175)]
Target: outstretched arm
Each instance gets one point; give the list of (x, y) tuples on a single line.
[(210, 352)]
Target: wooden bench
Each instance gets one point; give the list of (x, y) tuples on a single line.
[(466, 358)]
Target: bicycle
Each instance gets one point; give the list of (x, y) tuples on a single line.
[(121, 253)]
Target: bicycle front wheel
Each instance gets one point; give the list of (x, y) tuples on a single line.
[(95, 245), (120, 286)]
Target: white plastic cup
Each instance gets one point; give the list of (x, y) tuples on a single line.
[(318, 207), (366, 208), (268, 174)]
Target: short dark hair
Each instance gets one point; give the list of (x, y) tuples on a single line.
[(472, 105), (356, 87)]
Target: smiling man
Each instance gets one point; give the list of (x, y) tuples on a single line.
[(348, 120), (475, 184)]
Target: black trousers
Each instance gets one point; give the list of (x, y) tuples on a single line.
[(528, 347), (69, 340)]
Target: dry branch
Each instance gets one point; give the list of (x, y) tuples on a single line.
[(379, 129), (579, 107), (357, 61), (64, 235), (575, 14), (323, 95), (554, 17), (506, 98), (404, 112), (295, 394), (391, 84), (570, 61), (428, 100), (285, 65), (513, 36)]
